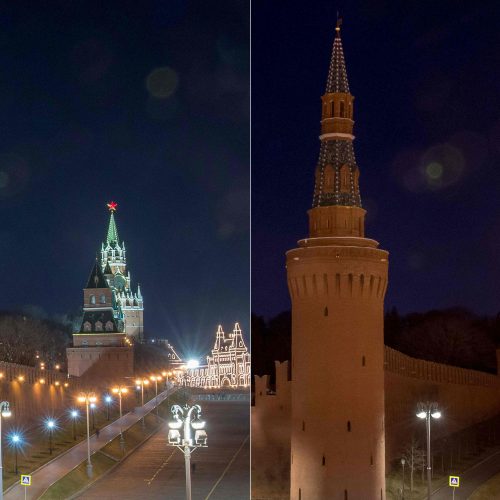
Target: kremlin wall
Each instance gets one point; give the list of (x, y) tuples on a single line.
[(466, 397)]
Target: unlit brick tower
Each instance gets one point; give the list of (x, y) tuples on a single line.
[(337, 280)]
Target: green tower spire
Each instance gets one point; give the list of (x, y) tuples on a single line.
[(112, 236)]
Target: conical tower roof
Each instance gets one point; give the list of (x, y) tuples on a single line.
[(112, 236), (96, 278), (337, 73)]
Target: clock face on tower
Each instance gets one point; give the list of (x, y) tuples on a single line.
[(119, 282)]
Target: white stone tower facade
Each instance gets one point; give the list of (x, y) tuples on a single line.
[(337, 281)]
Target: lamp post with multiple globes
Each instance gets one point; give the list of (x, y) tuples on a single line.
[(428, 410)]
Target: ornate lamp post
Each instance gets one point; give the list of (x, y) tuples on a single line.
[(120, 390), (88, 399), (186, 420), (428, 410), (4, 412)]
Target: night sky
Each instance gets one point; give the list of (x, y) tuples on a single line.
[(427, 125), (144, 103)]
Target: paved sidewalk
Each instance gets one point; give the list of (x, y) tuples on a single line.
[(52, 471), (471, 479)]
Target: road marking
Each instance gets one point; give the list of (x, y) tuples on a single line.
[(227, 468), (149, 481)]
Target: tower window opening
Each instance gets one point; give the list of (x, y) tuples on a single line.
[(333, 108), (92, 299), (324, 460), (303, 425), (346, 496), (371, 459), (342, 110), (103, 299), (326, 311), (363, 361), (348, 426), (300, 494)]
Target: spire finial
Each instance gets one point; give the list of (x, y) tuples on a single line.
[(112, 206), (339, 23)]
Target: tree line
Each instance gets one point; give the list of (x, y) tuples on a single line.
[(453, 336)]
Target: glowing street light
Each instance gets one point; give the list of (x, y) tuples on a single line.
[(155, 379), (16, 440), (186, 420), (51, 426), (108, 400), (92, 408), (140, 383), (74, 415), (4, 413), (428, 410), (88, 399), (120, 390)]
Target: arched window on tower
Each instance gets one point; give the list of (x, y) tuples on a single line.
[(349, 111), (332, 104), (109, 326), (86, 326), (342, 110), (103, 299), (98, 326), (344, 179), (92, 299)]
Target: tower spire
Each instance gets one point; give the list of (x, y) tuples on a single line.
[(337, 174), (337, 73)]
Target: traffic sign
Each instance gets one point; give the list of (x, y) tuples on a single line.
[(454, 481), (25, 480)]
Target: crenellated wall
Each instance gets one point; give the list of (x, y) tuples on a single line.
[(465, 397)]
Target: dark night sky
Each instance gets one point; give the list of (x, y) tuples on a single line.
[(81, 127), (425, 77)]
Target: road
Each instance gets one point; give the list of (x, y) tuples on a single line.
[(471, 479), (49, 473), (156, 470)]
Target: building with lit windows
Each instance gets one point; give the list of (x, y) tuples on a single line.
[(227, 366)]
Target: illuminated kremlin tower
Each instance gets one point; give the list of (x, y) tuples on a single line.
[(114, 267), (337, 281)]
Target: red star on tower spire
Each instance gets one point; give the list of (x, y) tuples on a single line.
[(112, 206)]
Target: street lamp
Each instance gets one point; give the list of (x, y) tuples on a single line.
[(108, 400), (428, 410), (74, 415), (51, 426), (92, 408), (15, 441), (403, 462), (187, 420), (88, 399), (4, 412), (120, 390), (155, 379), (140, 383)]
